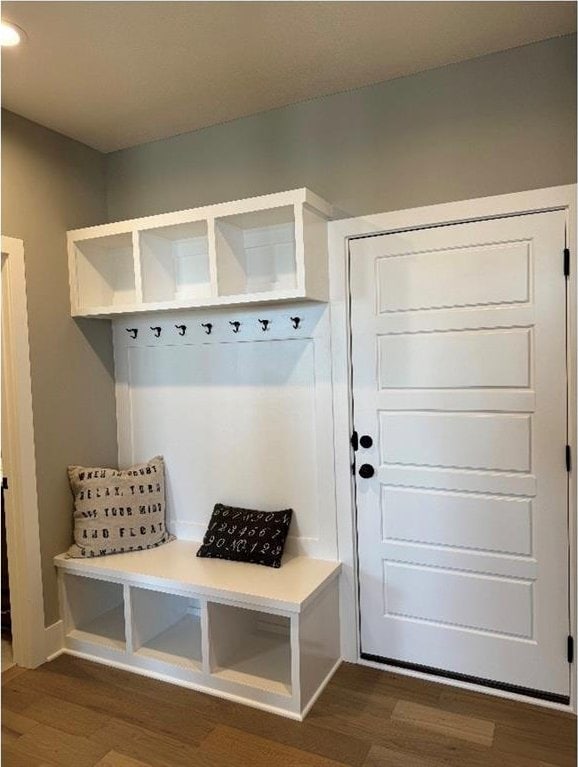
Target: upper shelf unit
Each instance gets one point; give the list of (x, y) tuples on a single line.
[(263, 249)]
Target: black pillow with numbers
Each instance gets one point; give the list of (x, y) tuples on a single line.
[(246, 535)]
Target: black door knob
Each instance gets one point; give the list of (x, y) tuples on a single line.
[(365, 441), (366, 471)]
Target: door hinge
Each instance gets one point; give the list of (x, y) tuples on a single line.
[(570, 649), (355, 441), (4, 483), (566, 262), (568, 458)]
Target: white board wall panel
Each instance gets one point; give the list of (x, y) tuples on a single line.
[(241, 418)]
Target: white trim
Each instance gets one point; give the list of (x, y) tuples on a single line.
[(340, 232), (22, 528), (54, 640)]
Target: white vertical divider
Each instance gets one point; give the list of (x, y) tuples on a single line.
[(299, 247), (295, 662), (205, 639), (137, 266), (128, 634), (212, 241)]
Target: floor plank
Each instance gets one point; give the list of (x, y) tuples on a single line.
[(114, 759), (456, 725), (47, 743), (13, 758), (386, 757), (65, 716), (239, 749), (145, 744)]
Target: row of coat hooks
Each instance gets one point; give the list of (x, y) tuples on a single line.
[(208, 326)]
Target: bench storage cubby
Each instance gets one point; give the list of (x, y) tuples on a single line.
[(265, 637)]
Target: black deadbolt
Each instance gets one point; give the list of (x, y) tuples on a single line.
[(365, 441), (366, 471)]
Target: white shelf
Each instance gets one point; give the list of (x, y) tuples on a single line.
[(264, 249), (104, 273), (256, 252)]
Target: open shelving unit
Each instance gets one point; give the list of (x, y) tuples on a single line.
[(263, 249), (268, 639)]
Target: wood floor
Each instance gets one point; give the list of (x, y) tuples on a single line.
[(74, 713)]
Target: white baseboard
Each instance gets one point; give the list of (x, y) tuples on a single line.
[(54, 640)]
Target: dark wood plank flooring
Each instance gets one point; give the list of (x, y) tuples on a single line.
[(73, 713)]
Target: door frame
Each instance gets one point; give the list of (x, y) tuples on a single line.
[(22, 526), (340, 232)]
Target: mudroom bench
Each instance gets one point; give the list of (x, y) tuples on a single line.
[(265, 637)]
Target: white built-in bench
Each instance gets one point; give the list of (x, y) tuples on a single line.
[(257, 635)]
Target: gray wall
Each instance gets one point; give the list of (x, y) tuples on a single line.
[(51, 184), (501, 123)]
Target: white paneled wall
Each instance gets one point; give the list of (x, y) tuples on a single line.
[(243, 418)]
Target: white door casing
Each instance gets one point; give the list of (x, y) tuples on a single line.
[(19, 464), (459, 376)]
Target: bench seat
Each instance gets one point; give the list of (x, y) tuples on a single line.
[(175, 566)]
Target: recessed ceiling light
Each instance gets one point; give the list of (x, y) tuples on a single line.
[(10, 34)]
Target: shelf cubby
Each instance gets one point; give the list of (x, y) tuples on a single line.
[(104, 272), (251, 648), (175, 263), (95, 612), (166, 628), (256, 251)]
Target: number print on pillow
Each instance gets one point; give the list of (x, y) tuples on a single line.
[(246, 535)]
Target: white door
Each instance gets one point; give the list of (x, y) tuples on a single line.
[(459, 379)]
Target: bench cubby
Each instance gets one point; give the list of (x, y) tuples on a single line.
[(94, 612), (166, 627), (268, 638)]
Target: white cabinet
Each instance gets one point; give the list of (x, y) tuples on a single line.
[(264, 249)]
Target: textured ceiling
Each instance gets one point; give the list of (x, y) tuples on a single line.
[(116, 74)]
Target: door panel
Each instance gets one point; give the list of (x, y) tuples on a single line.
[(458, 354)]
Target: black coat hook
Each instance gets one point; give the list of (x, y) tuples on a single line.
[(182, 329), (133, 332), (208, 327), (264, 325), (156, 330), (236, 325), (296, 321)]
